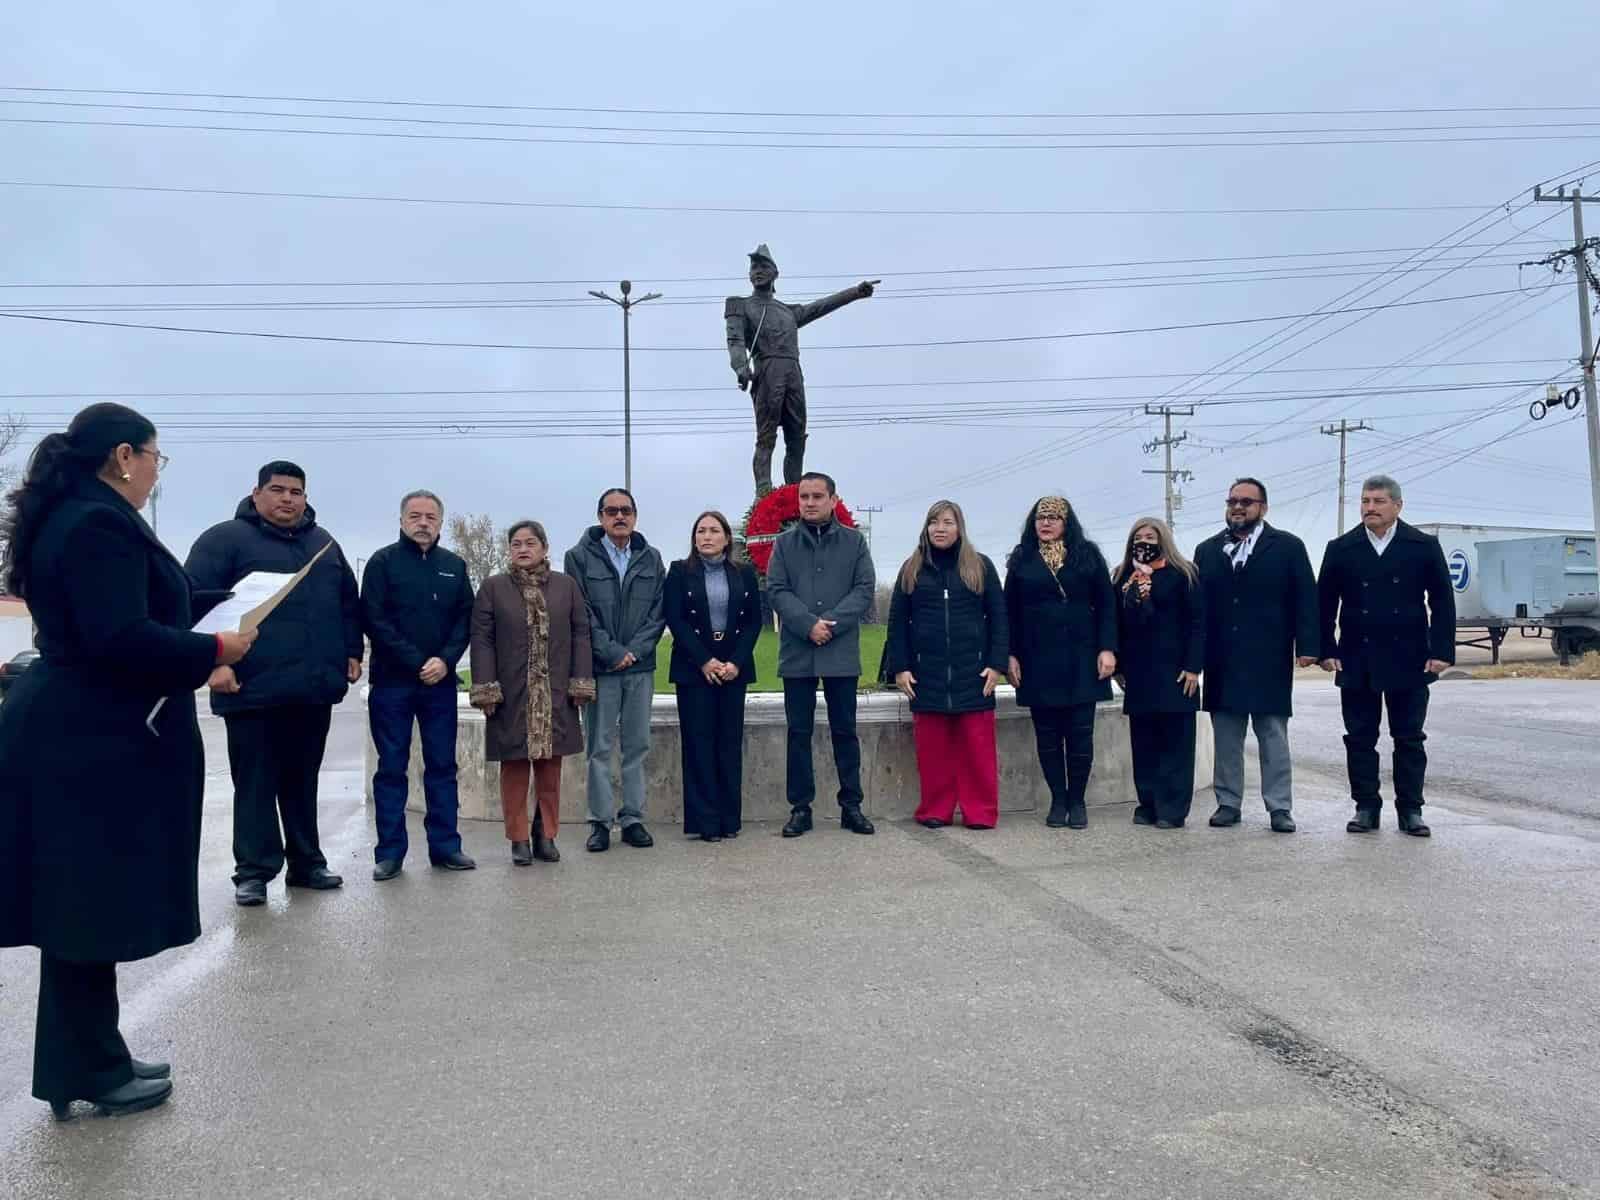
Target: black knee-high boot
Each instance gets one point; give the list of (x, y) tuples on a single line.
[(1048, 740), (1080, 762)]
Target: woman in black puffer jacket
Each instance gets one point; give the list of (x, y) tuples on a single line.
[(947, 651), (1063, 620)]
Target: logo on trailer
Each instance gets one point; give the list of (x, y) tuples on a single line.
[(1460, 570)]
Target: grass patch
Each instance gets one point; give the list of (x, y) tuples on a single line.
[(1587, 667), (872, 639)]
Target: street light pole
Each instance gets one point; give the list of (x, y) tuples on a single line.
[(627, 306)]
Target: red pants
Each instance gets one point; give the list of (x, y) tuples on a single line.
[(514, 797), (959, 768)]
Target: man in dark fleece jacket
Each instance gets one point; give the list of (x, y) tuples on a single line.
[(278, 706), (417, 601)]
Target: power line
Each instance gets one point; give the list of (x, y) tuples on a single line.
[(189, 126), (745, 210), (1175, 114), (1020, 338)]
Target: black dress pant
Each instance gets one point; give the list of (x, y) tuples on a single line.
[(1408, 710), (711, 729), (275, 755), (1064, 738), (800, 711), (1163, 763), (78, 1054)]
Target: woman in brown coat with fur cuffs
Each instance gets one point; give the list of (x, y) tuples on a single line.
[(531, 672)]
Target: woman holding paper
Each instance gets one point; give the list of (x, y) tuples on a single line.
[(101, 765)]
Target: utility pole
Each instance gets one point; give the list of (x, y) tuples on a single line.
[(1341, 430), (627, 306), (1167, 412), (1579, 254), (866, 510)]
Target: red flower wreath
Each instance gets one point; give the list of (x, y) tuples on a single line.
[(770, 516)]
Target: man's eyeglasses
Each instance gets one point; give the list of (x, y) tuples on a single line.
[(615, 511), (1241, 502), (161, 459)]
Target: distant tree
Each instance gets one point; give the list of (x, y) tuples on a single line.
[(480, 545)]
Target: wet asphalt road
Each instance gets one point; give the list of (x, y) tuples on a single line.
[(1022, 1012)]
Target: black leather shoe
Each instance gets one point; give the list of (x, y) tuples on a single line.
[(1077, 816), (1225, 816), (799, 822), (320, 879), (1365, 821), (1163, 823), (637, 836), (1143, 816), (386, 868), (522, 854), (134, 1096), (544, 849), (932, 823), (599, 837), (248, 893), (151, 1070), (1282, 822), (852, 818), (1410, 821), (1056, 818), (710, 837), (456, 860)]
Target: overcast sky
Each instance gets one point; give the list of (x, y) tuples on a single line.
[(900, 426)]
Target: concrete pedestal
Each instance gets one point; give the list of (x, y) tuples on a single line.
[(888, 762)]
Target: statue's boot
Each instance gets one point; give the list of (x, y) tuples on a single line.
[(794, 459), (762, 465)]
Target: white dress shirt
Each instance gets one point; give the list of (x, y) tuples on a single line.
[(1380, 544)]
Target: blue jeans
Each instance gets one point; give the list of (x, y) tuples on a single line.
[(621, 705), (391, 711)]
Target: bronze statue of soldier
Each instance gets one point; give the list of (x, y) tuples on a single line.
[(764, 352)]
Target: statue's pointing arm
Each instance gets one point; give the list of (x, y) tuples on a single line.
[(804, 314), (738, 352)]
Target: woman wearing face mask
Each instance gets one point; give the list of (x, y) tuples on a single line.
[(531, 663), (1063, 620), (712, 602), (947, 653), (1163, 632), (102, 770)]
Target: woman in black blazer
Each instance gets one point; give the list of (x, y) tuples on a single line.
[(1161, 652), (1063, 622), (713, 608), (101, 766)]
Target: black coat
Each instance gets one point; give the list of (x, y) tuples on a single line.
[(689, 618), (1386, 636), (945, 634), (415, 607), (1059, 624), (301, 656), (100, 815), (1159, 636), (1257, 620)]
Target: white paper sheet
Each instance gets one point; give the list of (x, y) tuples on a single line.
[(254, 589)]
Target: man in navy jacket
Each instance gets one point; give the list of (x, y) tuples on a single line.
[(416, 599), (278, 704)]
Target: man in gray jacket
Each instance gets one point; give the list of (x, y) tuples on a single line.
[(622, 580), (821, 583)]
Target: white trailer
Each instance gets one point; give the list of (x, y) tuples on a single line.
[(1473, 616)]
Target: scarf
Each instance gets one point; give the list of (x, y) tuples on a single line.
[(531, 582), (1141, 577), (1053, 553)]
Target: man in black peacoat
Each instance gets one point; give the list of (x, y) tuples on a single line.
[(1387, 586), (1261, 619)]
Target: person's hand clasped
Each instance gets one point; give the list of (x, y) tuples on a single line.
[(1190, 681), (730, 672), (1106, 664), (224, 681), (907, 683), (713, 670), (822, 633), (1306, 660), (433, 671), (626, 661), (352, 669), (1332, 664), (1437, 666), (991, 680), (1014, 671)]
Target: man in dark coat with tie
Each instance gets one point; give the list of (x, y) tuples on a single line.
[(1387, 586), (1261, 619)]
